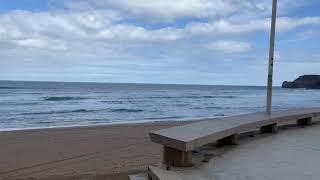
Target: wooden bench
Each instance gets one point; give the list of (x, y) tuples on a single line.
[(179, 141)]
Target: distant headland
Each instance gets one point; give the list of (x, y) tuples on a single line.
[(306, 81)]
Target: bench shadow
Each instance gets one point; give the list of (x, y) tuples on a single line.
[(206, 153)]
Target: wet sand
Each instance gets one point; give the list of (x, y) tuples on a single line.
[(101, 152)]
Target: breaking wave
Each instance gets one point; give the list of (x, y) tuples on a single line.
[(184, 97), (62, 98), (126, 110), (57, 112)]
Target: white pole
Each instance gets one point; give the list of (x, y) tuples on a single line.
[(271, 55)]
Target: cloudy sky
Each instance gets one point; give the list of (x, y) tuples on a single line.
[(157, 41)]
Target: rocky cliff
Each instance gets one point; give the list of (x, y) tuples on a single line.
[(306, 81)]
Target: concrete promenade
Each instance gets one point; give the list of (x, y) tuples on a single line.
[(291, 154)]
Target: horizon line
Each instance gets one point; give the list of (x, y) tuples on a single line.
[(141, 83)]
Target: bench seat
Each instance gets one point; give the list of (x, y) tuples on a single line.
[(191, 136)]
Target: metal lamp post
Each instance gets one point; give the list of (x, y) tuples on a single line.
[(271, 55)]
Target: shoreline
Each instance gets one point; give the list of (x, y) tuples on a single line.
[(108, 152), (111, 124), (99, 152)]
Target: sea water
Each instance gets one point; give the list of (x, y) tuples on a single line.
[(28, 105)]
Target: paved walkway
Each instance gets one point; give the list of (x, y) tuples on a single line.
[(291, 154)]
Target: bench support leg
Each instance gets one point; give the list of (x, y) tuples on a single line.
[(176, 158), (304, 122), (230, 140), (272, 128)]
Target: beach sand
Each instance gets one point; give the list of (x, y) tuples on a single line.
[(101, 152)]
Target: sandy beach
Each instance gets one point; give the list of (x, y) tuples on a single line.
[(101, 152)]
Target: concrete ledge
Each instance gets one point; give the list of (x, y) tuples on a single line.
[(266, 156), (194, 135), (158, 173), (179, 141), (138, 177)]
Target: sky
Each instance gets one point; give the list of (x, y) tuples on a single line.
[(222, 42)]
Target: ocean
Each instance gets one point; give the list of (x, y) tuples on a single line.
[(32, 105)]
